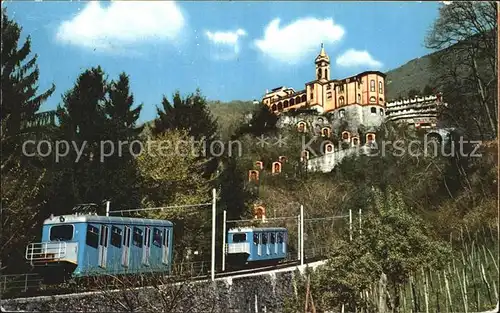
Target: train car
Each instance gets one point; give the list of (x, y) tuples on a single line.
[(89, 245), (256, 246)]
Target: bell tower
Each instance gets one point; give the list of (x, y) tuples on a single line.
[(322, 65)]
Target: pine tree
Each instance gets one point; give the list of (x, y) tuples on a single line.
[(83, 122), (262, 122), (23, 183), (120, 166), (20, 98)]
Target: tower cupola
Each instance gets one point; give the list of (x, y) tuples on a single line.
[(322, 65)]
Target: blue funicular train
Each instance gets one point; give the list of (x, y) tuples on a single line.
[(81, 245), (256, 246)]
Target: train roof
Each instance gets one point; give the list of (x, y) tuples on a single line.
[(256, 229), (89, 218)]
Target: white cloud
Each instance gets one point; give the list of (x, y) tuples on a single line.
[(294, 42), (122, 23), (226, 43), (356, 58)]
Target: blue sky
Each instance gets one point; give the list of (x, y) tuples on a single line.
[(230, 50)]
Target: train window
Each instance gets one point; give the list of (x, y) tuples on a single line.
[(256, 239), (239, 237), (157, 237), (126, 238), (273, 238), (92, 236), (137, 238), (264, 239), (165, 237), (280, 237), (61, 233), (116, 237)]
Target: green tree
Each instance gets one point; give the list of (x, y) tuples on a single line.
[(172, 175), (428, 91), (23, 180), (83, 122), (20, 96), (263, 121), (413, 93), (394, 243), (123, 183)]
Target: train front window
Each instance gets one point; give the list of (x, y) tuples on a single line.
[(61, 233), (239, 237)]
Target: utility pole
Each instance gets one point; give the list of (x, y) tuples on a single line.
[(224, 241), (350, 224), (301, 235), (213, 233)]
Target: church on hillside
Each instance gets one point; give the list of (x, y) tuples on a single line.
[(360, 99)]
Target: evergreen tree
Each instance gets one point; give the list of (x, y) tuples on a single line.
[(20, 97), (23, 183), (190, 113), (121, 170), (83, 122), (262, 122), (428, 91), (193, 115)]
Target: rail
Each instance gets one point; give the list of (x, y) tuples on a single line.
[(27, 281), (45, 251)]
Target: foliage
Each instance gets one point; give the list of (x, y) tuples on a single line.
[(263, 121), (20, 96), (172, 175), (468, 71)]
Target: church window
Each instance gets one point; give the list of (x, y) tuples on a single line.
[(285, 105), (359, 98), (304, 99), (341, 101), (297, 100), (319, 73), (280, 106), (328, 87), (381, 112), (274, 107), (312, 95), (326, 73), (329, 95), (373, 110), (373, 99), (380, 87), (341, 88), (372, 85), (292, 101)]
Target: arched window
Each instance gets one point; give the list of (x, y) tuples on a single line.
[(273, 108), (304, 98), (302, 127), (355, 141), (280, 106), (373, 110), (370, 137), (325, 132), (341, 100), (326, 73), (372, 85), (380, 87), (319, 73), (373, 99), (286, 104), (292, 101), (341, 113), (328, 148), (381, 112), (380, 99), (297, 100), (346, 135)]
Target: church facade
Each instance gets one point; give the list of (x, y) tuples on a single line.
[(359, 99)]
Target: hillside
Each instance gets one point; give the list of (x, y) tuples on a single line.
[(415, 74)]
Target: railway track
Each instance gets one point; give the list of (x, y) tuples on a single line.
[(48, 294)]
